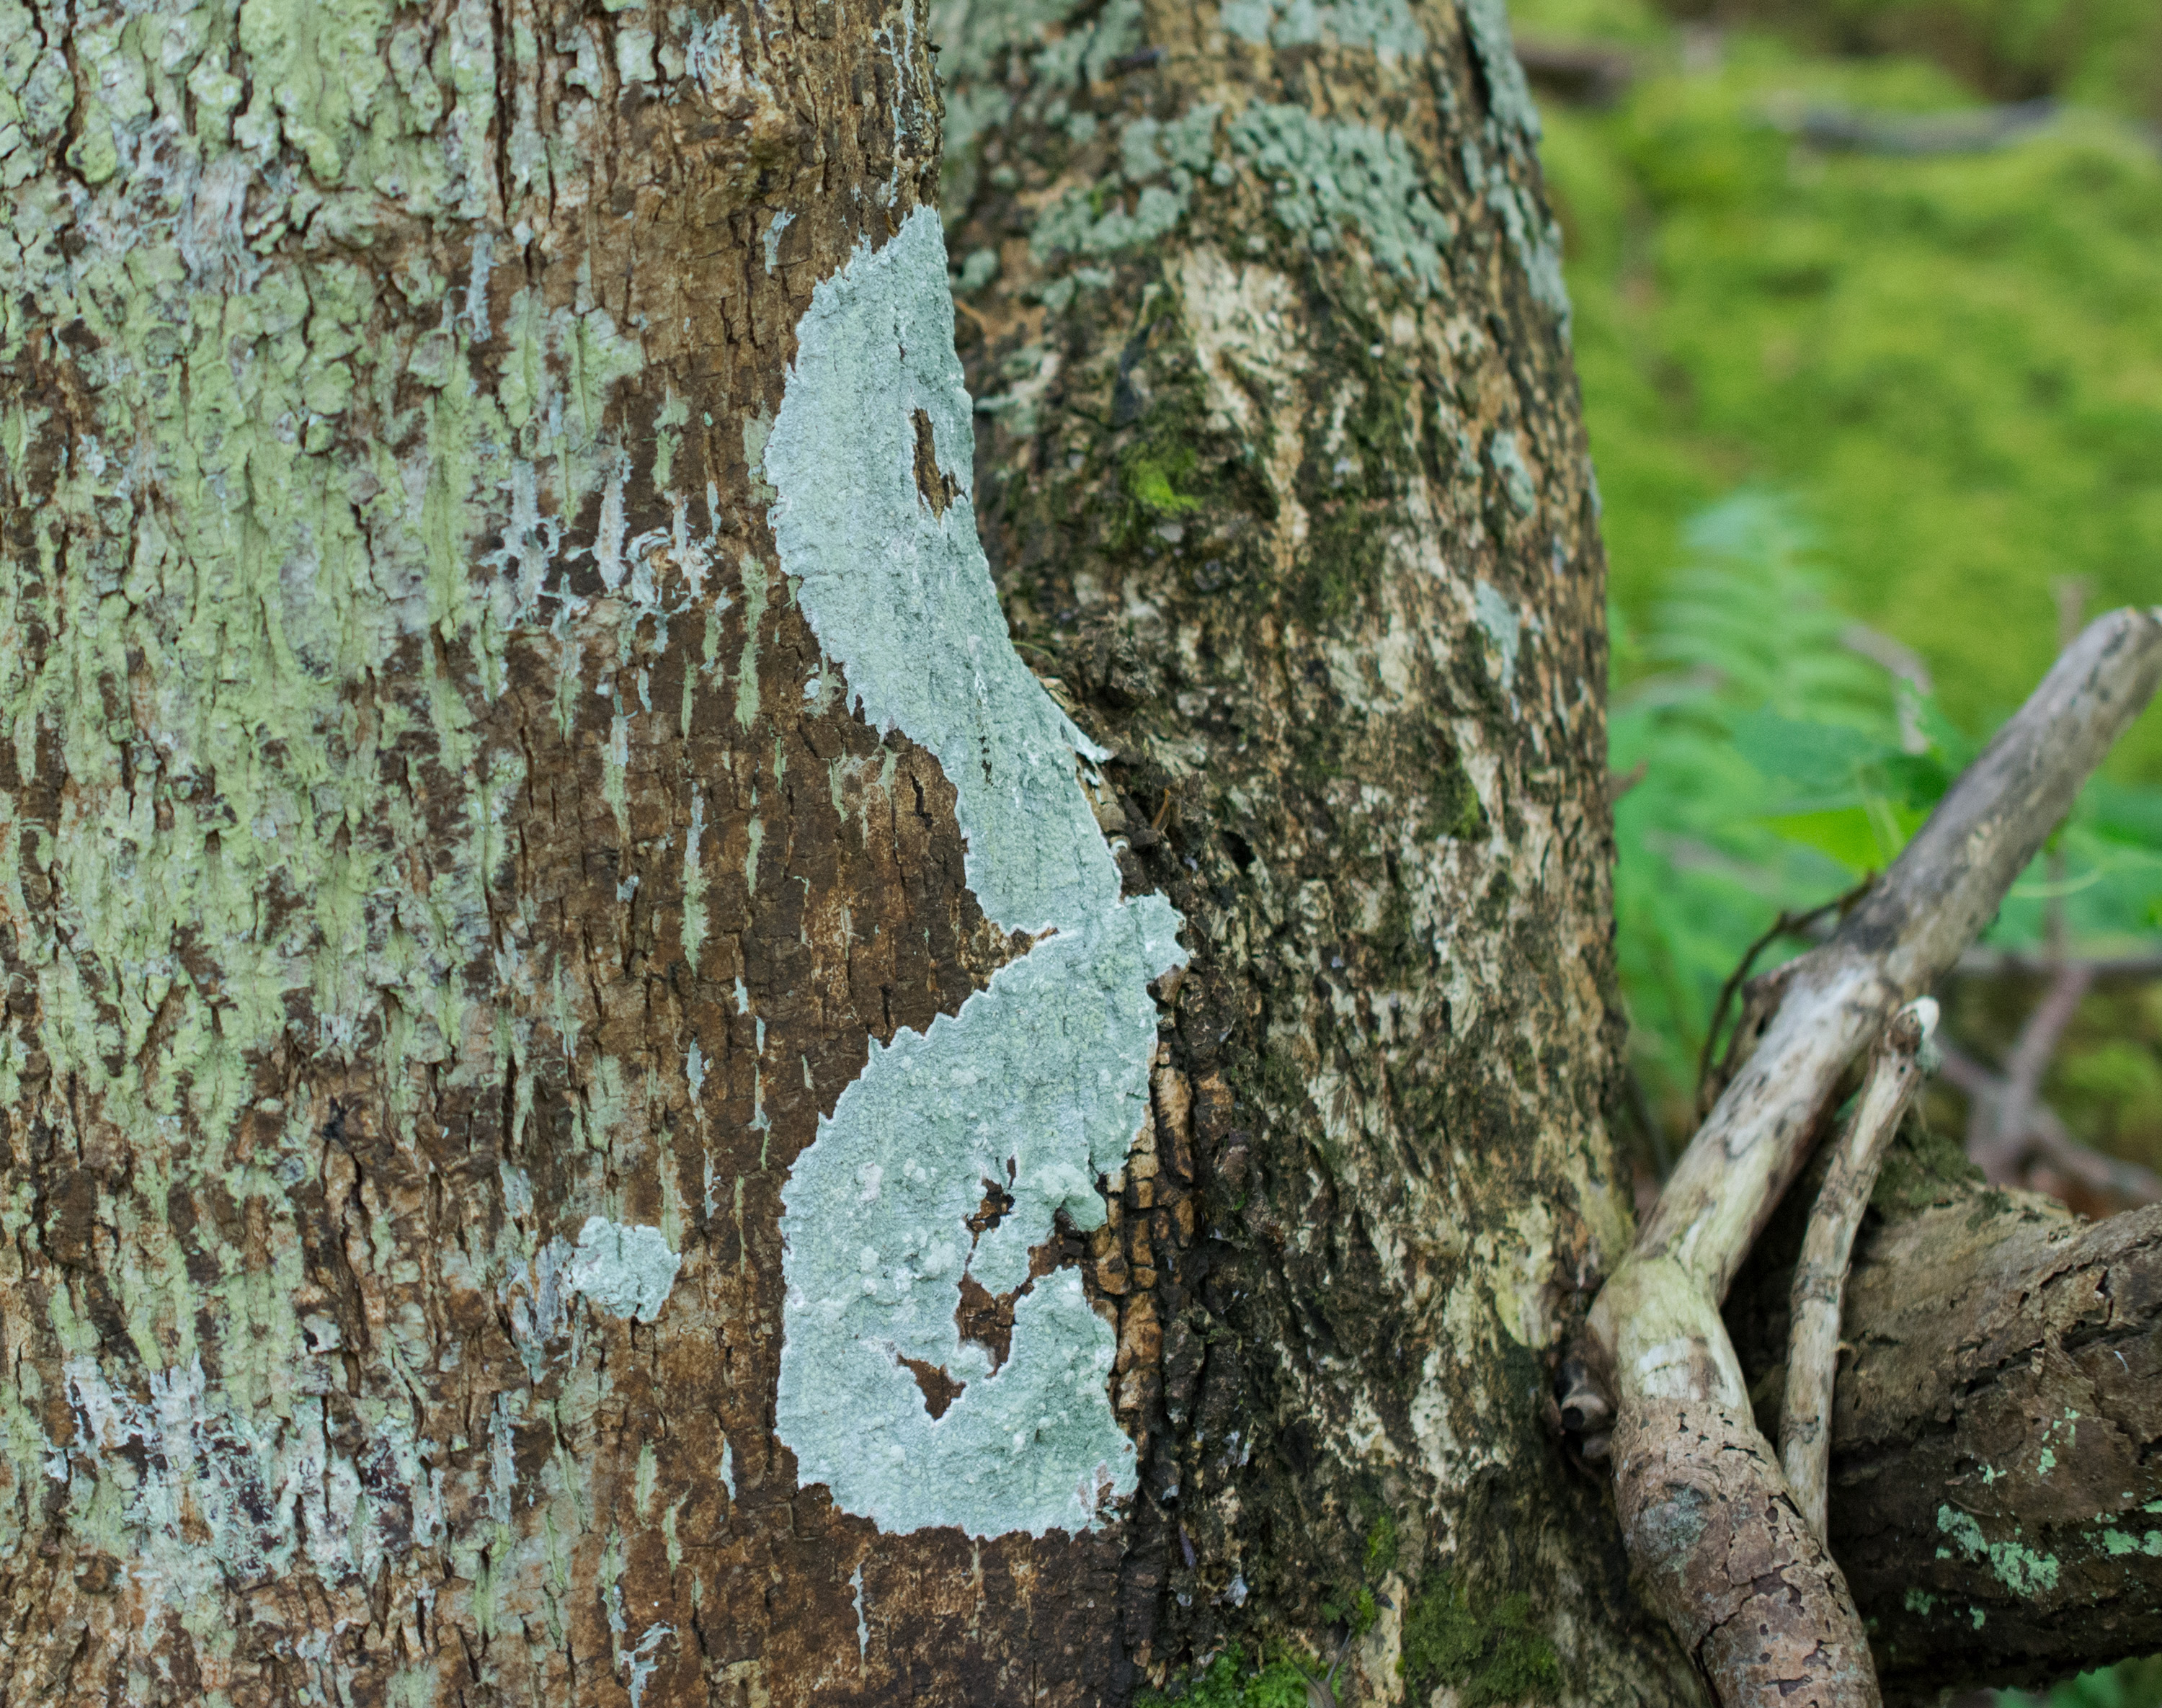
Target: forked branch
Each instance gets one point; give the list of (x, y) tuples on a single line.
[(1707, 1517), (1895, 1074)]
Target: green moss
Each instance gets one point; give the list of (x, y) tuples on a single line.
[(1344, 561), (1495, 1657), (1153, 478), (1952, 360), (1922, 1167), (1356, 1612), (1381, 1546), (1227, 1684)]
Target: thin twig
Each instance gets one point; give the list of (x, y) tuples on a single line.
[(1996, 1144), (1819, 1284), (1787, 924), (2052, 1141)]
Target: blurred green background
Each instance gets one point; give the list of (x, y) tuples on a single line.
[(1868, 314)]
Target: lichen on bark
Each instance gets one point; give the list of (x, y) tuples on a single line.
[(1281, 484), (436, 825)]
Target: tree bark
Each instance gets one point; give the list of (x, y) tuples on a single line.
[(606, 1095), (1281, 474), (1994, 1429)]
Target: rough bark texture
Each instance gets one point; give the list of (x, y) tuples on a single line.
[(1995, 1478), (446, 881), (1280, 468), (1732, 1563), (419, 841)]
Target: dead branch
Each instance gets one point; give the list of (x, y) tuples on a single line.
[(1998, 1126), (2049, 1139), (1685, 1445), (1997, 1442), (1895, 1074), (1759, 997)]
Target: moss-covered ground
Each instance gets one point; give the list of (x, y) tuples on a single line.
[(1953, 362)]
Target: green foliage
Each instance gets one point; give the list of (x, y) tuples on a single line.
[(1497, 1658), (2105, 53), (1776, 767), (1954, 361), (2136, 1683)]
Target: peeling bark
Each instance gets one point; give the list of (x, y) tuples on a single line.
[(1731, 1562)]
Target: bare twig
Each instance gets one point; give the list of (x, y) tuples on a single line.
[(1787, 924), (1999, 1128), (1705, 1513), (2052, 1141), (2017, 963), (1895, 1073)]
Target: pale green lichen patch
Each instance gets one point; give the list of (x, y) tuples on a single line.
[(1507, 456), (1535, 238), (1508, 96), (1386, 27), (1097, 222), (1503, 628), (922, 642), (1332, 179), (627, 1271), (2021, 1569), (1061, 47), (1074, 225), (268, 630), (1036, 1088), (1038, 1085)]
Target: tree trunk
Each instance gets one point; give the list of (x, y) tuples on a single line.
[(608, 1095), (1281, 473)]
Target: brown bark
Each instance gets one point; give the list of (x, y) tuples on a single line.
[(466, 1485), (432, 824), (1249, 488), (1995, 1428), (1731, 1562)]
